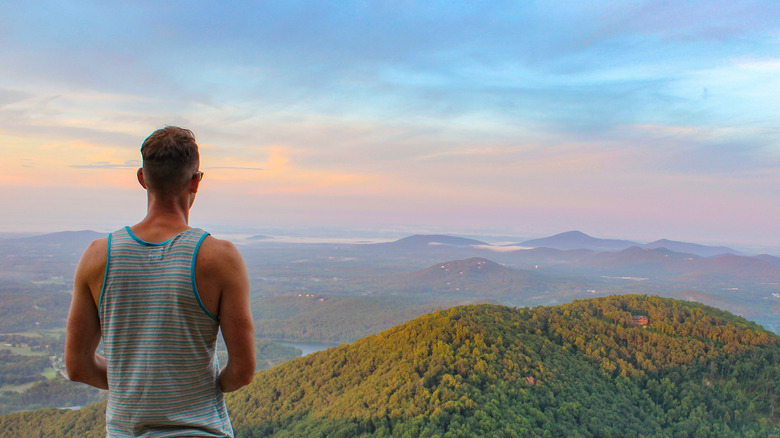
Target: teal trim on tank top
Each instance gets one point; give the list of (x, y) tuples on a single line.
[(105, 273), (145, 243), (192, 276)]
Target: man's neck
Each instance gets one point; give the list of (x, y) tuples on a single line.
[(164, 219)]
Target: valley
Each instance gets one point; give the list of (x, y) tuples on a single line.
[(337, 293)]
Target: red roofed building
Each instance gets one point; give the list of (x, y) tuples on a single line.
[(640, 320)]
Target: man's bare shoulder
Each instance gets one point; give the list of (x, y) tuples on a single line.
[(93, 260), (220, 255), (91, 269), (219, 273), (98, 245)]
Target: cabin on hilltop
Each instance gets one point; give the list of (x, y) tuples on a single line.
[(642, 320)]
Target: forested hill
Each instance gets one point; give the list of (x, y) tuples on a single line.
[(580, 369)]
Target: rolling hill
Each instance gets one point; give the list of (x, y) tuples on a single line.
[(661, 263), (62, 238), (580, 369), (473, 277)]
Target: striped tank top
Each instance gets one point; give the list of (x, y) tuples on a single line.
[(159, 341)]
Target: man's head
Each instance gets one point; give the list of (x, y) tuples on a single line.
[(170, 160)]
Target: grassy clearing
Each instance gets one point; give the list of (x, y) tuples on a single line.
[(17, 388), (49, 373), (40, 333), (23, 351), (26, 334)]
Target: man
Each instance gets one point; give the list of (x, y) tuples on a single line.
[(157, 293)]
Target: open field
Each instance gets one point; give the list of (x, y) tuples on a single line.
[(16, 388)]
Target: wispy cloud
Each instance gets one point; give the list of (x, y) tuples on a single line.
[(107, 165), (235, 168)]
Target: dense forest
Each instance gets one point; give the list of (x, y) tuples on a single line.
[(584, 369), (23, 311), (17, 369)]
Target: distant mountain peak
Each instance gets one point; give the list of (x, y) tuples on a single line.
[(573, 233), (462, 269), (691, 248), (475, 263), (579, 240), (59, 235), (258, 237), (436, 239), (78, 238)]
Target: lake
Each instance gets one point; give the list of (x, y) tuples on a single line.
[(309, 347)]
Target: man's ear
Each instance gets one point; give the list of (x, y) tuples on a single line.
[(140, 175), (195, 182)]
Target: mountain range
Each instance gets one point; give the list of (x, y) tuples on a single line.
[(579, 254), (580, 240), (519, 272)]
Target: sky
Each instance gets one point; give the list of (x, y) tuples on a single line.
[(623, 119)]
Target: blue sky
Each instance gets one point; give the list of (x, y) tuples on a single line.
[(640, 120)]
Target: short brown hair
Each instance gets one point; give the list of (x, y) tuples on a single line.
[(170, 159)]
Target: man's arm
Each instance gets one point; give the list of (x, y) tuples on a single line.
[(235, 317), (83, 328)]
